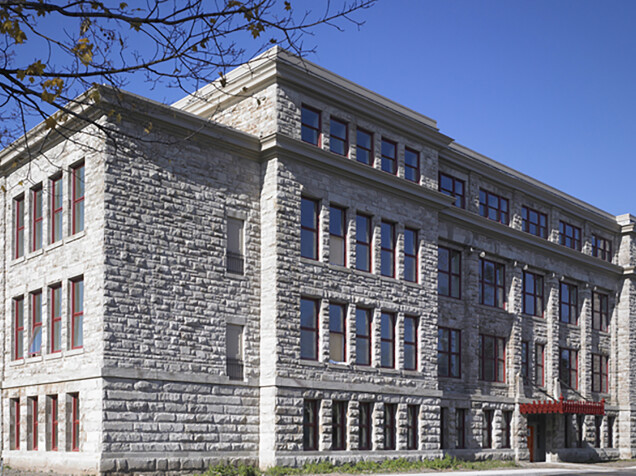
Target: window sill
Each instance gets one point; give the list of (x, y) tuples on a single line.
[(312, 363), (76, 236), (78, 351), (53, 356), (35, 358), (449, 298), (36, 253), (52, 246), (236, 276), (17, 261), (567, 325), (17, 363)]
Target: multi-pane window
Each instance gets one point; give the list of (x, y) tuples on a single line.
[(412, 417), (599, 373), (309, 228), (492, 358), (339, 425), (532, 294), (569, 367), (453, 187), (411, 165), (364, 143), (78, 199), (308, 329), (539, 365), (235, 246), (56, 318), (491, 283), (18, 227), (35, 344), (534, 222), (387, 340), (601, 248), (449, 274), (32, 423), (390, 410), (493, 207), (410, 255), (410, 342), (37, 218), (310, 425), (338, 134), (310, 125), (569, 235), (449, 352), (18, 328), (487, 429), (364, 425), (337, 236), (363, 242), (75, 421), (525, 367), (568, 303), (363, 336), (460, 428), (389, 156), (77, 313), (506, 428), (57, 205), (51, 423), (234, 351), (337, 333), (14, 424), (387, 255), (600, 311)]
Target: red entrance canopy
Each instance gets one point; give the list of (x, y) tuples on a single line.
[(563, 406)]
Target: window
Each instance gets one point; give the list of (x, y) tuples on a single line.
[(363, 242), (453, 187), (569, 235), (77, 313), (579, 430), (78, 199), (364, 426), (539, 351), (412, 421), (56, 318), (338, 142), (35, 345), (598, 423), (37, 218), (610, 431), (460, 428), (387, 337), (599, 373), (487, 429), (389, 156), (410, 343), (309, 228), (32, 423), (600, 312), (387, 258), (491, 284), (411, 165), (532, 294), (310, 425), (566, 428), (364, 142), (235, 246), (234, 351), (339, 426), (74, 421), (390, 410), (14, 424), (337, 236), (443, 428), (534, 222), (308, 329), (51, 422), (18, 227), (492, 357), (601, 248), (18, 328), (569, 368), (449, 352), (310, 125), (568, 299), (506, 430), (57, 204), (410, 255), (363, 336), (493, 206), (524, 360), (337, 334), (449, 274)]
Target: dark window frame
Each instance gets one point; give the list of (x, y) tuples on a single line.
[(312, 330), (366, 337), (310, 427), (317, 131), (487, 440), (411, 256), (365, 425), (369, 150), (506, 428), (496, 359), (315, 231), (77, 314), (37, 221), (572, 304), (525, 364), (452, 192), (496, 287), (77, 201), (600, 368), (569, 235), (339, 425), (334, 236), (365, 247), (448, 354), (15, 422), (57, 229), (35, 325), (389, 426), (19, 227), (601, 248), (388, 251), (572, 368), (600, 316), (54, 415), (539, 355), (341, 140), (527, 224), (18, 328), (342, 333), (389, 341), (75, 422), (34, 427), (412, 169), (485, 208), (56, 289), (450, 273), (536, 294), (412, 427), (460, 428), (411, 344), (391, 162)]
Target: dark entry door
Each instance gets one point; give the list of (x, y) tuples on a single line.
[(537, 437)]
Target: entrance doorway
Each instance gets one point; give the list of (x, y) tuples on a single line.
[(536, 437)]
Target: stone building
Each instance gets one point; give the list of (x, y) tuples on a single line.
[(292, 268)]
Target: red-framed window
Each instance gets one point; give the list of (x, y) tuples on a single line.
[(601, 248), (18, 226), (599, 373), (390, 410), (57, 207), (600, 311), (78, 198), (507, 427), (337, 236), (310, 425), (410, 342), (75, 421), (339, 425), (56, 318), (492, 357), (338, 137), (569, 235), (489, 415), (412, 426), (363, 242), (33, 431), (493, 206), (449, 352), (569, 367), (310, 125), (492, 281), (449, 272), (15, 423), (18, 328), (364, 147), (53, 422), (411, 165), (568, 303), (387, 246), (365, 426), (308, 329), (525, 365), (460, 428), (539, 364), (77, 313), (453, 187), (387, 340), (363, 336), (411, 264), (532, 294), (37, 218), (389, 156), (534, 222), (337, 333), (35, 344), (309, 228)]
